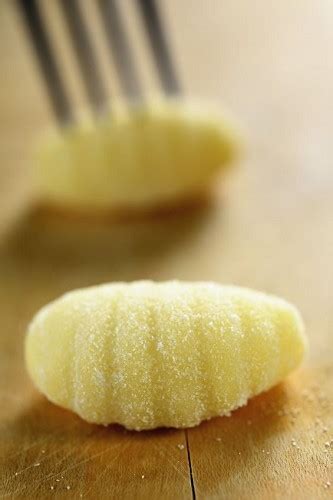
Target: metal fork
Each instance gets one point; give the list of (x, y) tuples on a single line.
[(120, 51)]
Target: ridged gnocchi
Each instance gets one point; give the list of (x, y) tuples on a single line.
[(170, 354), (135, 157)]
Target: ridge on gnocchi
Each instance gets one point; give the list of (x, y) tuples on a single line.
[(169, 354)]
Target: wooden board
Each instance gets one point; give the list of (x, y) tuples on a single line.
[(270, 228)]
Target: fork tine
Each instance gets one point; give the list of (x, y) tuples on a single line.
[(47, 61), (119, 48), (84, 51), (159, 46)]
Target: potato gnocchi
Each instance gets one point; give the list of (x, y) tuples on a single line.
[(135, 158), (170, 354)]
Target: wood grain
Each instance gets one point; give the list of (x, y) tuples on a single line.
[(270, 228)]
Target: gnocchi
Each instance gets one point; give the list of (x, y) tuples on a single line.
[(135, 158), (171, 354)]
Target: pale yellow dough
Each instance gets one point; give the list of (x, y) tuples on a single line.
[(137, 157), (172, 354)]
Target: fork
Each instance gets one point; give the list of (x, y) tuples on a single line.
[(114, 31)]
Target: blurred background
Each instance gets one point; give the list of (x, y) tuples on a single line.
[(271, 224)]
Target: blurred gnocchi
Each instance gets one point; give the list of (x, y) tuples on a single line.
[(135, 157), (169, 354)]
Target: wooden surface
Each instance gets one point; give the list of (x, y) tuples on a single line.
[(270, 63)]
